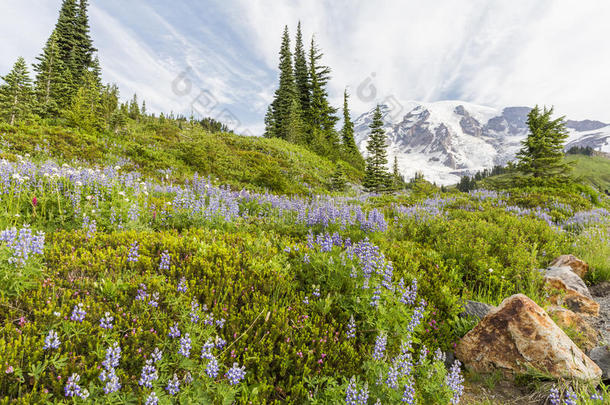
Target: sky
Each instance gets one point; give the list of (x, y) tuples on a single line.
[(219, 58)]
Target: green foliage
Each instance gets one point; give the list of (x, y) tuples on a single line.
[(350, 149)]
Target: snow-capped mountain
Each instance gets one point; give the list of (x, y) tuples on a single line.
[(448, 139)]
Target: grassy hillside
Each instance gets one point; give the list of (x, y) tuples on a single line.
[(592, 170), (152, 147)]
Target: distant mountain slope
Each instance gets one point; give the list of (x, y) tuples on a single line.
[(449, 139)]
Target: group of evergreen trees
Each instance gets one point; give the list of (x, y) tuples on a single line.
[(67, 83), (301, 112)]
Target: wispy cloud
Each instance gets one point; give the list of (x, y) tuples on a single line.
[(499, 53)]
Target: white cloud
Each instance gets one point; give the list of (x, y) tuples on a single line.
[(497, 53)]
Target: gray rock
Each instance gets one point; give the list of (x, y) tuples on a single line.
[(570, 279), (475, 309), (601, 356)]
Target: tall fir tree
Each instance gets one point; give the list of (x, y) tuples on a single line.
[(322, 114), (285, 93), (16, 95), (541, 158), (301, 74), (83, 44), (347, 136), (51, 85), (375, 174)]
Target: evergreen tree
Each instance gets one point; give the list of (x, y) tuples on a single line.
[(51, 83), (109, 103), (134, 108), (83, 44), (352, 154), (143, 109), (322, 114), (542, 155), (375, 174), (16, 95), (285, 93), (301, 75)]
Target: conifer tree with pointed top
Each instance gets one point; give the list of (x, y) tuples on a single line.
[(375, 174), (347, 135), (51, 86), (286, 91), (322, 114), (269, 123), (16, 94), (541, 158), (85, 111), (301, 74), (83, 44)]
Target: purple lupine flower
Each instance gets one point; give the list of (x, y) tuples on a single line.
[(571, 397), (113, 356), (376, 297), (423, 354), (182, 285), (597, 397), (106, 321), (220, 342), (316, 291), (351, 393), (351, 328), (410, 294), (455, 381), (306, 258), (157, 355), (51, 341), (212, 368), (72, 389), (149, 374), (220, 323), (554, 396), (185, 345), (393, 375), (173, 385), (439, 356), (380, 343), (209, 320), (134, 254), (194, 309), (174, 331), (417, 316), (78, 313), (408, 396), (236, 374), (154, 300), (152, 399), (363, 395), (165, 261), (206, 350), (142, 293)]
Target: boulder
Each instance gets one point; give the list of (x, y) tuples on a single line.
[(586, 337), (574, 263), (518, 337), (601, 356), (576, 295), (474, 309)]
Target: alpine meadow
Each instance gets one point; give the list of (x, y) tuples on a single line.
[(420, 252)]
